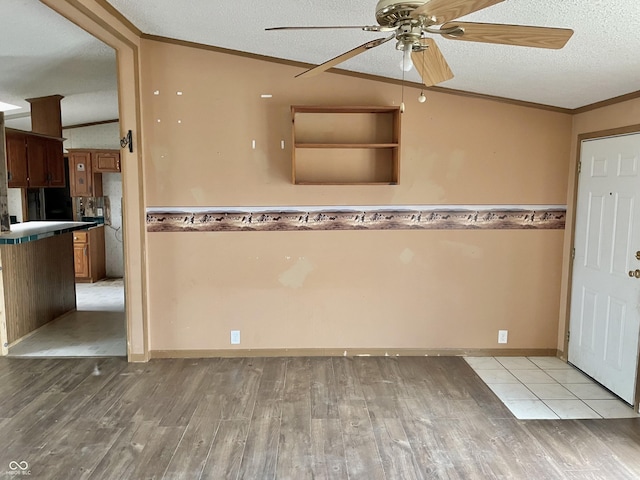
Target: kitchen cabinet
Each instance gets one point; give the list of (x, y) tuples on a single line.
[(17, 173), (55, 164), (34, 161), (80, 259), (89, 254), (86, 167), (105, 161), (84, 182)]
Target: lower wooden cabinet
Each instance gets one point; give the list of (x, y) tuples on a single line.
[(89, 254)]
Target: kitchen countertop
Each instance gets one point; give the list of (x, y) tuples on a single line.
[(31, 231)]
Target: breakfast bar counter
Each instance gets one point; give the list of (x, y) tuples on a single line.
[(37, 284), (32, 231)]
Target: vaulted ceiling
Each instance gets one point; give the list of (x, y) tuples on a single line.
[(42, 53)]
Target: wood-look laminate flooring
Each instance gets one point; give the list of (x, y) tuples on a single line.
[(288, 418)]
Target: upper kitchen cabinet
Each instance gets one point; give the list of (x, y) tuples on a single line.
[(83, 180), (17, 173), (86, 167), (55, 164), (34, 161), (105, 161)]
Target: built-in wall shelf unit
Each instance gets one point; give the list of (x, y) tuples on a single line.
[(345, 145)]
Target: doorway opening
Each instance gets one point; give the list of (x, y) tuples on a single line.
[(65, 60), (98, 325)]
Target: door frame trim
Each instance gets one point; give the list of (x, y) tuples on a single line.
[(101, 20), (612, 132)]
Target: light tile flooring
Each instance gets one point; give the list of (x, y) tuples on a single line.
[(547, 388), (96, 329), (106, 295)]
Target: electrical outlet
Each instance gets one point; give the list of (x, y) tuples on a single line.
[(235, 337), (503, 336)]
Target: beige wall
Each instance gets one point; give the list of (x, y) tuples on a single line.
[(615, 116), (454, 149), (327, 289), (388, 289)]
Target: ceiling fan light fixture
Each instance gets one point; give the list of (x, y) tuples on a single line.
[(406, 64)]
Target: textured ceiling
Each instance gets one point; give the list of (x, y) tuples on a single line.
[(600, 61), (42, 54)]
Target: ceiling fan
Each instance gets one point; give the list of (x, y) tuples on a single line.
[(411, 20)]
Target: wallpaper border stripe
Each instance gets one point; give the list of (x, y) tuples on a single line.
[(244, 219)]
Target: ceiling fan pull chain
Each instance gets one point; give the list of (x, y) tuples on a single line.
[(422, 98), (402, 86)]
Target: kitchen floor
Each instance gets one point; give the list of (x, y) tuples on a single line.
[(96, 329), (544, 388)]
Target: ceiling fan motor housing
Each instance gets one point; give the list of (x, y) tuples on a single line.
[(391, 12), (397, 14)]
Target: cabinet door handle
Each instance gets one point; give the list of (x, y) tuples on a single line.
[(9, 176), (85, 250)]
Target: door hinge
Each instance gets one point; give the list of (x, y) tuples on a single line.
[(579, 166), (568, 335), (573, 253)]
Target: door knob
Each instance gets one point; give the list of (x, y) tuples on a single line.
[(638, 255), (634, 273)]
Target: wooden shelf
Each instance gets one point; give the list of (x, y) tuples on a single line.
[(343, 109), (345, 183), (345, 145)]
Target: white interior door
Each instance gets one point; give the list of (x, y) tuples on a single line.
[(605, 299)]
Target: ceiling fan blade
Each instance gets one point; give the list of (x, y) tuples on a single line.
[(366, 28), (345, 56), (443, 11), (430, 64), (520, 35)]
